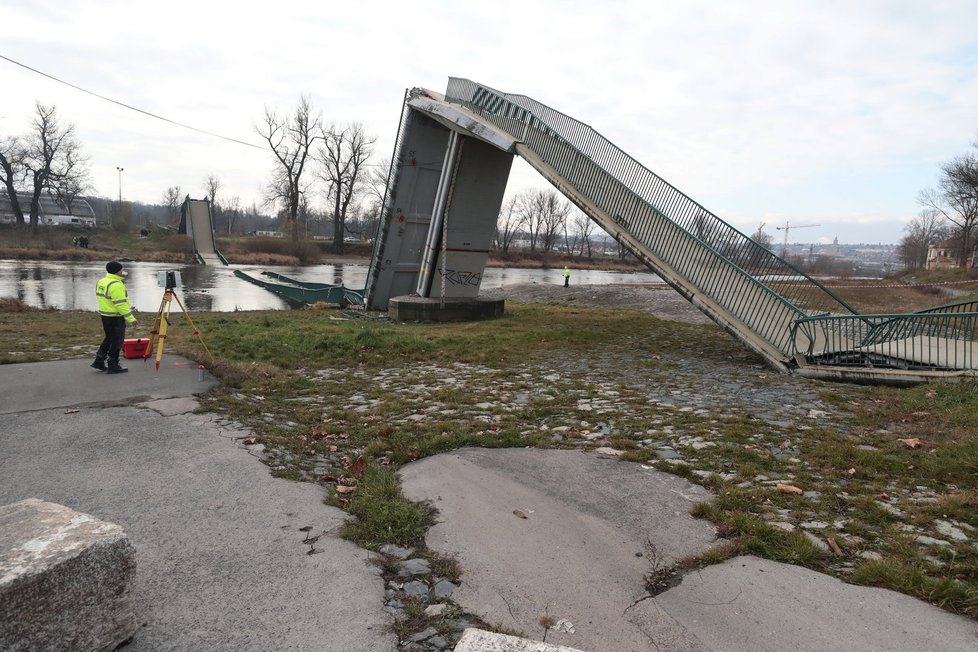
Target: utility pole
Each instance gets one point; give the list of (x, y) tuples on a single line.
[(120, 182)]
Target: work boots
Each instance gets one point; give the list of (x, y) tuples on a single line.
[(99, 364), (114, 368)]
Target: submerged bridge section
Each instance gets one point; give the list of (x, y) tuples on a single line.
[(196, 216), (446, 185)]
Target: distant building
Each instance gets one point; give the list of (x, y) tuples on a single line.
[(51, 211), (833, 250), (946, 253)]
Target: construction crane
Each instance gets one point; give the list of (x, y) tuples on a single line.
[(786, 228)]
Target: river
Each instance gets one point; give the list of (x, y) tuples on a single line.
[(71, 285)]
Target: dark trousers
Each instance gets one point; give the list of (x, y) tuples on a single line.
[(115, 333), (567, 281)]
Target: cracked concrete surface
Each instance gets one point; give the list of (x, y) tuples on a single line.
[(220, 559), (575, 557), (594, 528), (747, 603)]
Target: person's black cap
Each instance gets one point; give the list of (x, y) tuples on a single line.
[(113, 267)]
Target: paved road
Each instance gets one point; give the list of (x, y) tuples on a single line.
[(220, 559)]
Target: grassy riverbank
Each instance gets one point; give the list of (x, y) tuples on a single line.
[(889, 476)]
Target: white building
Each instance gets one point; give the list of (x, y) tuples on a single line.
[(51, 212)]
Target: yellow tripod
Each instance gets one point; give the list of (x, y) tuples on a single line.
[(157, 337)]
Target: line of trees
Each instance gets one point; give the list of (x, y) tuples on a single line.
[(543, 221), (948, 211), (47, 159)]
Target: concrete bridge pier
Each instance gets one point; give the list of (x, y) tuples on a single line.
[(446, 188)]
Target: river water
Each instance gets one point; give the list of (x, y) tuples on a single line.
[(71, 285)]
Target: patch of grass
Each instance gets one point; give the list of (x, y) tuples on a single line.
[(447, 567), (35, 336), (383, 514), (951, 594)]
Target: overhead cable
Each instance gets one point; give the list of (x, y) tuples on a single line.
[(132, 108)]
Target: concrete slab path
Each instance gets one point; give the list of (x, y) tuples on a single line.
[(220, 559), (593, 528), (573, 558)]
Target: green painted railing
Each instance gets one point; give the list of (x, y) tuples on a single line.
[(748, 281), (936, 338)]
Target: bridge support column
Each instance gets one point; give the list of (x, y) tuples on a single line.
[(445, 192)]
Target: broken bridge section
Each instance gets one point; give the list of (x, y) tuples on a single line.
[(198, 221), (450, 166)]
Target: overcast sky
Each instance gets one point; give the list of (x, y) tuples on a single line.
[(835, 113)]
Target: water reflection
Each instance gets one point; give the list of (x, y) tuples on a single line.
[(71, 285)]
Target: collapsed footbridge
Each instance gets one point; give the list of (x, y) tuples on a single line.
[(450, 166), (197, 220)]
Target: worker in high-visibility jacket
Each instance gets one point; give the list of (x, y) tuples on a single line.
[(116, 313)]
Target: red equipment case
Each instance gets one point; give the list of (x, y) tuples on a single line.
[(134, 348)]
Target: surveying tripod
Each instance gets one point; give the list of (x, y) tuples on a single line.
[(157, 337)]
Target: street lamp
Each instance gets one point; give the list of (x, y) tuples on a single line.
[(120, 182)]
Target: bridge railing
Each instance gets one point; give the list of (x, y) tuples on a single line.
[(748, 280), (945, 337)]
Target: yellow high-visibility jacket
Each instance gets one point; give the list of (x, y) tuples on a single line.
[(113, 300)]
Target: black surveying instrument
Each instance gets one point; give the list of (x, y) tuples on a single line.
[(169, 281)]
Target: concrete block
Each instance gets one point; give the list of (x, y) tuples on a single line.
[(65, 579), (413, 308), (479, 640)]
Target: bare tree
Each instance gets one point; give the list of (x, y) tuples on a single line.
[(212, 185), (172, 198), (554, 210), (375, 182), (928, 227), (541, 214), (571, 236), (956, 199), (291, 139), (11, 168), (507, 225), (585, 227), (49, 159), (67, 189), (343, 157), (365, 215), (232, 211), (528, 215)]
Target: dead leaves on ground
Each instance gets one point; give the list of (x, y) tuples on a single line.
[(910, 418), (789, 489), (358, 467)]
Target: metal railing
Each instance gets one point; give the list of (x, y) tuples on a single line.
[(936, 338), (747, 280)]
